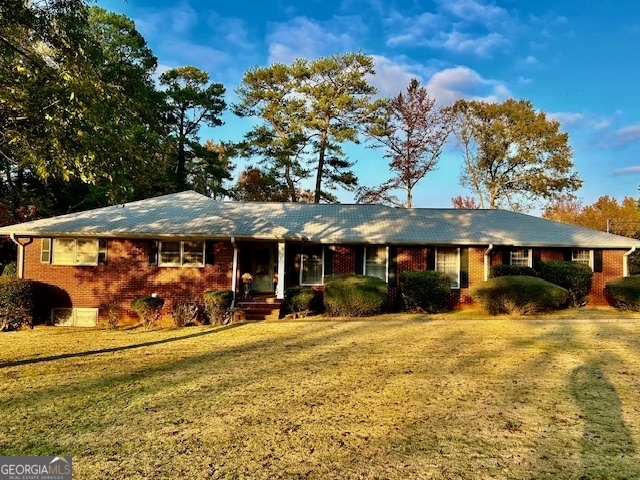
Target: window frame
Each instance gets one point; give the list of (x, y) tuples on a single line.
[(386, 266), (74, 262), (591, 261), (302, 257), (529, 256), (459, 281), (181, 262)]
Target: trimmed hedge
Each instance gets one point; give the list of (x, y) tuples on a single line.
[(16, 303), (426, 290), (299, 300), (511, 271), (353, 295), (575, 277), (148, 309), (625, 292), (519, 295), (216, 304)]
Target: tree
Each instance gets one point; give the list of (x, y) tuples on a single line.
[(338, 101), (191, 101), (413, 130), (272, 94), (465, 203), (513, 155), (78, 107), (605, 214), (256, 185), (211, 167)]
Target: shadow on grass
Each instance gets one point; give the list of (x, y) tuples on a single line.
[(115, 349), (608, 450)]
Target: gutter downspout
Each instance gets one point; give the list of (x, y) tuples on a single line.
[(625, 262), (20, 259), (486, 261), (234, 276)]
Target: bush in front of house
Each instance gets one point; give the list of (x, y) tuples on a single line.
[(148, 309), (10, 270), (575, 277), (425, 290), (216, 304), (353, 295), (16, 303), (511, 271), (299, 300), (518, 295), (624, 292), (183, 313)]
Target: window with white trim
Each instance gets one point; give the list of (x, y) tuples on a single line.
[(521, 256), (448, 261), (376, 262), (181, 254), (312, 265), (73, 251), (582, 255)]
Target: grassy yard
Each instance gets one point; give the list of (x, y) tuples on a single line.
[(391, 397)]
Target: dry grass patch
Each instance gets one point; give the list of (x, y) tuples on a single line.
[(381, 398)]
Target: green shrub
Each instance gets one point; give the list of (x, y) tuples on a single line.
[(574, 277), (519, 295), (624, 292), (10, 270), (511, 271), (353, 295), (112, 315), (16, 303), (148, 309), (299, 300), (216, 304), (426, 290), (183, 313)]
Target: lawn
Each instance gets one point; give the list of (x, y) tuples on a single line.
[(390, 397)]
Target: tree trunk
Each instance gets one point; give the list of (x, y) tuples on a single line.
[(322, 148)]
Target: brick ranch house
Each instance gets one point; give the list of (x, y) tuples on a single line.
[(178, 246)]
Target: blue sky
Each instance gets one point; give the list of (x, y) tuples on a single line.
[(577, 61)]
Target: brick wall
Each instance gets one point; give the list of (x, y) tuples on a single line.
[(127, 275)]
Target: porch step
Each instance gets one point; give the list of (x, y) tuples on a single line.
[(258, 309)]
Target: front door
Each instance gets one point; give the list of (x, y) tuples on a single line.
[(262, 265)]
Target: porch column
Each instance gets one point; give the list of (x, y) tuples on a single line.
[(281, 269)]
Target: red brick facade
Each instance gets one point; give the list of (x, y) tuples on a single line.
[(128, 273)]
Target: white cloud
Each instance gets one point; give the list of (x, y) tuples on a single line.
[(183, 18), (635, 170), (482, 45), (628, 134), (304, 38), (450, 84), (391, 78), (475, 12), (414, 30)]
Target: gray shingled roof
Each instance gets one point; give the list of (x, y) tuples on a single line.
[(191, 215)]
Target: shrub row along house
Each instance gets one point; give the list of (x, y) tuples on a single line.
[(181, 245)]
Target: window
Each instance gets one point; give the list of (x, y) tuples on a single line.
[(45, 250), (448, 261), (312, 266), (376, 262), (177, 254), (73, 251), (74, 317), (581, 255), (521, 256)]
